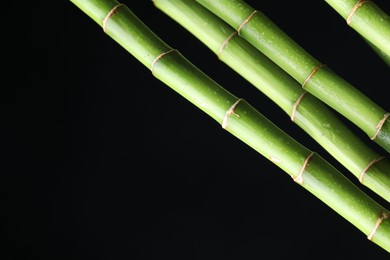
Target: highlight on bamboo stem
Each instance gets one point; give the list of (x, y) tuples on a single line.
[(314, 76), (372, 169), (242, 120)]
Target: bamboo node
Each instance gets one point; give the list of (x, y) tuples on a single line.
[(299, 178), (368, 167), (225, 42), (230, 112), (312, 74), (246, 21), (379, 125), (382, 217), (159, 57), (110, 13), (295, 107), (354, 9)]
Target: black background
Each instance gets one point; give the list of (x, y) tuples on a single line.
[(103, 161)]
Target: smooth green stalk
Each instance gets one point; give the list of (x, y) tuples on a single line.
[(366, 18), (310, 114), (317, 79), (241, 119), (380, 53)]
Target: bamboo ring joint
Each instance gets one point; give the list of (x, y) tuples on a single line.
[(230, 112), (368, 167), (312, 74), (225, 42), (110, 13), (246, 21), (382, 217), (299, 178), (295, 107), (354, 9), (380, 124), (159, 57)]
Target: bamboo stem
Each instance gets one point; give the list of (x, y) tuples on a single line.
[(303, 108), (380, 53), (241, 119), (314, 77), (366, 18)]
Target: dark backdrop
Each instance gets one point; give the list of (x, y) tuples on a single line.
[(103, 161)]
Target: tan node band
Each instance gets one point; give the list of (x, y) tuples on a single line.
[(379, 125), (230, 112), (299, 177), (295, 107), (382, 217), (246, 21), (354, 9), (159, 57), (110, 13), (225, 42), (311, 74), (368, 167)]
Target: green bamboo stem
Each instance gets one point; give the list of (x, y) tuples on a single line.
[(380, 53), (366, 18), (314, 77), (311, 114), (241, 120)]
